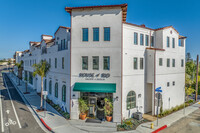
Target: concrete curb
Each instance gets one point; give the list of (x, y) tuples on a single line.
[(159, 129), (26, 101)]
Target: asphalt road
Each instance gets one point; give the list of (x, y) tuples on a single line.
[(189, 124), (15, 116)]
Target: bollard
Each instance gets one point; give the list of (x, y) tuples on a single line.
[(152, 125)]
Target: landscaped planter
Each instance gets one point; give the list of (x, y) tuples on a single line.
[(137, 115)]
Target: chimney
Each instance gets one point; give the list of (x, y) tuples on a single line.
[(143, 25)]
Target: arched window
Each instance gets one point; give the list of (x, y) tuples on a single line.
[(50, 87), (131, 100), (64, 93), (56, 90), (45, 84)]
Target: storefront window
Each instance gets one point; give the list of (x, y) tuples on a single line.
[(45, 84), (131, 100), (30, 77), (56, 90), (64, 93), (50, 87)]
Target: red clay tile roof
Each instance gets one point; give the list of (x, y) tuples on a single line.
[(123, 6), (166, 28), (61, 27), (141, 26), (155, 49), (182, 37)]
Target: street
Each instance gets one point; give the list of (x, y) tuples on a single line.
[(15, 116), (189, 124)]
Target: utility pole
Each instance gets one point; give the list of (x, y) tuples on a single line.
[(197, 77)]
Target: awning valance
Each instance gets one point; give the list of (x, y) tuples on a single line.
[(95, 87)]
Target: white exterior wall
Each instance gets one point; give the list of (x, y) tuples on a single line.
[(109, 17), (59, 75)]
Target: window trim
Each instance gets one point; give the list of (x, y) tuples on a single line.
[(98, 34), (141, 36), (141, 68), (83, 34), (82, 62), (135, 38), (104, 62), (104, 34), (93, 62), (129, 103), (64, 100)]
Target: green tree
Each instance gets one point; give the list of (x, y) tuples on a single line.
[(189, 91), (9, 63), (41, 69), (19, 67)]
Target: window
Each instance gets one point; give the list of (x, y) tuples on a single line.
[(84, 63), (168, 42), (106, 63), (160, 61), (173, 42), (173, 62), (50, 87), (182, 63), (45, 84), (95, 34), (64, 44), (63, 63), (131, 100), (135, 65), (135, 38), (55, 62), (61, 45), (95, 62), (85, 34), (56, 90), (168, 62), (107, 34), (30, 77), (50, 61), (168, 84), (141, 63), (141, 39), (173, 83), (64, 93), (152, 41), (147, 40)]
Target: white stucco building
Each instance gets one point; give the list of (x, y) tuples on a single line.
[(106, 57)]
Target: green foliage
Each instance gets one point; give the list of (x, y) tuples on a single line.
[(19, 65), (82, 105), (108, 107), (189, 91), (41, 69)]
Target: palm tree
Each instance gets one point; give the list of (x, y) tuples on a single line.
[(19, 66), (9, 63), (41, 69)]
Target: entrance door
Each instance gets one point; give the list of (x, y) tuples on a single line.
[(148, 98)]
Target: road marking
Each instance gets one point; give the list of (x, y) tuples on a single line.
[(2, 126), (10, 122), (12, 104), (7, 111)]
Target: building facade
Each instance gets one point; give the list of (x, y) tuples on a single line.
[(100, 59)]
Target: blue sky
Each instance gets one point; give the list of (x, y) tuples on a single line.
[(22, 21)]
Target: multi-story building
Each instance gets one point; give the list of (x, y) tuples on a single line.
[(113, 58), (56, 51), (103, 56)]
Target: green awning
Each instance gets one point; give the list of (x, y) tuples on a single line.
[(95, 87)]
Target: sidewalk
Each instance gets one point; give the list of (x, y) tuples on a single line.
[(59, 124), (53, 119)]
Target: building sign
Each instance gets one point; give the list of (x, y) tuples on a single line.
[(93, 76)]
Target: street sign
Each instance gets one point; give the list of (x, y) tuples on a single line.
[(45, 93), (158, 89)]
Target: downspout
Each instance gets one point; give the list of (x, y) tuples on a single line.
[(70, 61), (122, 71), (154, 78)]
